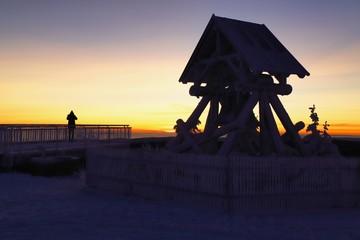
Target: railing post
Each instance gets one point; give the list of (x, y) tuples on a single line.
[(1, 138), (56, 137), (98, 133), (20, 144), (11, 136), (20, 136)]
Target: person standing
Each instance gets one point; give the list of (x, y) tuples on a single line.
[(71, 125)]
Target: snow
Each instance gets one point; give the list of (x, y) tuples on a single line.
[(50, 160), (65, 208)]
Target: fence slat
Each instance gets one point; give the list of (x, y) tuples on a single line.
[(229, 182)]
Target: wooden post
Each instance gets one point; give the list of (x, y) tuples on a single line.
[(211, 125), (274, 132), (240, 122), (265, 142), (191, 121), (288, 125)]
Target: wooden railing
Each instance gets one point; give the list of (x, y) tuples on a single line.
[(11, 134), (233, 183)]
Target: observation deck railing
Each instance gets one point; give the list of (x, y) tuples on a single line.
[(25, 134)]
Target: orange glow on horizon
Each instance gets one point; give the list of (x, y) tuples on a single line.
[(350, 130)]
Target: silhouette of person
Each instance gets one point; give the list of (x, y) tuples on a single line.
[(71, 125)]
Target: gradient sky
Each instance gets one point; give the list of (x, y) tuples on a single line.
[(119, 61)]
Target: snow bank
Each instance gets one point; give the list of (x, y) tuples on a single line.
[(50, 166), (65, 208)]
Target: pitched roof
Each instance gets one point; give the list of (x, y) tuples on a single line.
[(253, 43)]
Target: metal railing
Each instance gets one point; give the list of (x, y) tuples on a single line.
[(19, 134)]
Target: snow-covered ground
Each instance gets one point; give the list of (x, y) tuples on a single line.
[(65, 208)]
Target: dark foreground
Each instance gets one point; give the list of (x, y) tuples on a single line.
[(34, 207)]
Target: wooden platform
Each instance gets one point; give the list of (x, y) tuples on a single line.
[(23, 141), (16, 153)]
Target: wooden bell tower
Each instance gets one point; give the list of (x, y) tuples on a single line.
[(236, 66)]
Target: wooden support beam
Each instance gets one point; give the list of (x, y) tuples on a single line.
[(228, 144), (288, 125), (194, 117), (273, 129), (281, 89), (239, 123), (211, 125), (265, 140), (191, 122), (202, 138)]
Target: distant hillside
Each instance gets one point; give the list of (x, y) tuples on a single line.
[(348, 147)]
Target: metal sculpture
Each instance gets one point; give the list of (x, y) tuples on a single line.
[(236, 66)]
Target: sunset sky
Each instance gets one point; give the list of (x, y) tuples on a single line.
[(119, 61)]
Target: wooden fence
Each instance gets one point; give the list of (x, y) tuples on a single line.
[(24, 140), (228, 183)]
